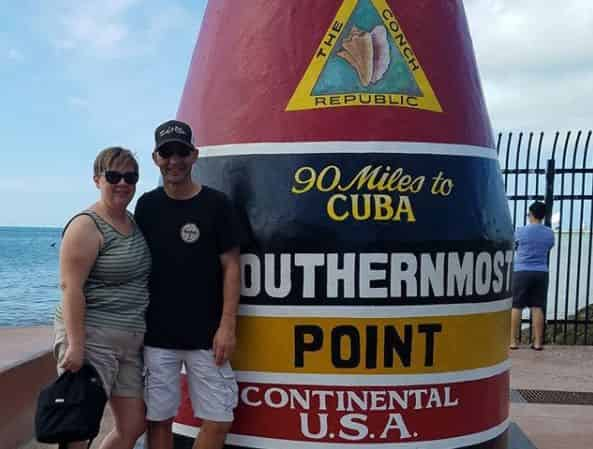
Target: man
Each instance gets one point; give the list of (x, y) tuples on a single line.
[(530, 277), (194, 293)]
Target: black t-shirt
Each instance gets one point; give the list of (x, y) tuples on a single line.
[(186, 238)]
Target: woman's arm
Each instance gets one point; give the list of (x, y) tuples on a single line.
[(80, 246)]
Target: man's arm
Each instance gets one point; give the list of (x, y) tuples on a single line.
[(225, 338)]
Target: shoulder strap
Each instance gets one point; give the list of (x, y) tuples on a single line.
[(88, 213)]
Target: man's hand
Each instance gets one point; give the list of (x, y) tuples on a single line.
[(73, 359), (224, 342)]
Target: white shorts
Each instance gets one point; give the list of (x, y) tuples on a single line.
[(213, 389)]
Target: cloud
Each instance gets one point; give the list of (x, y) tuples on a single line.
[(536, 61), (167, 20), (15, 55), (531, 35), (110, 56), (78, 102), (526, 102), (112, 29), (94, 27), (52, 184), (101, 36)]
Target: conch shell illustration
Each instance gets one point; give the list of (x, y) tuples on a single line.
[(368, 53)]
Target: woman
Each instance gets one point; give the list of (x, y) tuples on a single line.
[(104, 269)]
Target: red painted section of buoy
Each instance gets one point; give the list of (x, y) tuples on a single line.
[(251, 55)]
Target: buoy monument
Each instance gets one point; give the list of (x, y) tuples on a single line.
[(353, 137)]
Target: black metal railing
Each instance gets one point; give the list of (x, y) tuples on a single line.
[(559, 172)]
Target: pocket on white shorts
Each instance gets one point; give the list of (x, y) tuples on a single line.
[(230, 386)]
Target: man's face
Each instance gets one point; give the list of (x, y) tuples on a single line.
[(175, 163)]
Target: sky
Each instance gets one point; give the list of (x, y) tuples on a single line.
[(78, 76)]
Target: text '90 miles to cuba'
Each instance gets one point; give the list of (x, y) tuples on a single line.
[(367, 195)]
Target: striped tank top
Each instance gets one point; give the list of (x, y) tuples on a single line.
[(116, 290)]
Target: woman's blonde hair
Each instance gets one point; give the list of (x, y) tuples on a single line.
[(107, 158)]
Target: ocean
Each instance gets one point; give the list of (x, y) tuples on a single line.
[(29, 288)]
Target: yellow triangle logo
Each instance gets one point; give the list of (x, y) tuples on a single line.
[(364, 59)]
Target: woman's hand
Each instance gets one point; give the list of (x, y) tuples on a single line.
[(73, 359)]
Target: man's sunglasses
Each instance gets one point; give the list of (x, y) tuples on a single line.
[(114, 177), (168, 151)]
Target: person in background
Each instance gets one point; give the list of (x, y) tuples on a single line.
[(104, 269), (193, 236), (530, 278)]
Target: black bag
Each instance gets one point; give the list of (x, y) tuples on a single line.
[(71, 408)]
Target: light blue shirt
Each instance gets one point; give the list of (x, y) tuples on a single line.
[(533, 243)]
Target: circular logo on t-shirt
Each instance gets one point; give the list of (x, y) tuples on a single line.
[(190, 233)]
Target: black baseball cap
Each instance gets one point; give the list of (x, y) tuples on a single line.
[(173, 131)]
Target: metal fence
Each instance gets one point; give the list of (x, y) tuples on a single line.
[(557, 170)]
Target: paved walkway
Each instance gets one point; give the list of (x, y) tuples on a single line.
[(565, 368)]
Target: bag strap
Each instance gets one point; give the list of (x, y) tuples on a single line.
[(93, 371)]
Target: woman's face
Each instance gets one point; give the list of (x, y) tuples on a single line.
[(118, 184)]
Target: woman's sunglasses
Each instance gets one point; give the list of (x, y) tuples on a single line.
[(114, 177), (169, 150)]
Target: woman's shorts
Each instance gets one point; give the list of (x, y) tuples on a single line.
[(530, 289), (115, 354)]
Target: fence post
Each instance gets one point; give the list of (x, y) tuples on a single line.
[(549, 202), (549, 196)]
